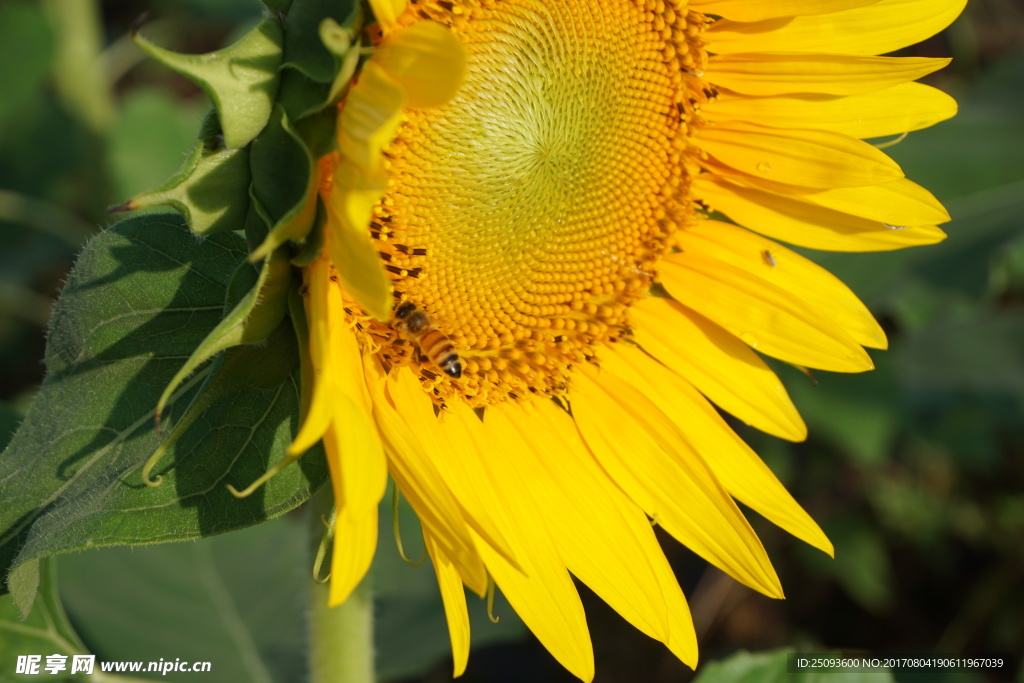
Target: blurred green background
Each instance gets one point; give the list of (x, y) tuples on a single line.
[(916, 470)]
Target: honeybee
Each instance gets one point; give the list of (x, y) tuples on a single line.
[(413, 322)]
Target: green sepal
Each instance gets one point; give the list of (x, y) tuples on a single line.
[(256, 304), (257, 224), (319, 132), (323, 61), (337, 39), (300, 326), (277, 5), (311, 249), (303, 49), (210, 189), (284, 183), (242, 79), (300, 96)]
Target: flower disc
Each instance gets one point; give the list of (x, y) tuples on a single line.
[(527, 214)]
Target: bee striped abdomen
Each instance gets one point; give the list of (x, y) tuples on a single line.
[(436, 346), (433, 343)]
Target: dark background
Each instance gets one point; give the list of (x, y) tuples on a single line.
[(916, 470)]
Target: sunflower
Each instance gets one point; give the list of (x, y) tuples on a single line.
[(575, 200)]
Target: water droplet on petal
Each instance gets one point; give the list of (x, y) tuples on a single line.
[(895, 227), (764, 167), (749, 339)]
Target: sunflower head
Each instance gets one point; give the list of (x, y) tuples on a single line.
[(537, 244)]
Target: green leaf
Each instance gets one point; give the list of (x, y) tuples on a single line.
[(211, 188), (283, 183), (773, 667), (143, 295), (45, 631), (26, 50), (242, 79), (236, 600), (9, 419), (256, 304)]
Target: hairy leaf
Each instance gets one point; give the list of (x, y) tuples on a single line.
[(143, 295)]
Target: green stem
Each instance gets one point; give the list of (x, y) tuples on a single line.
[(341, 638)]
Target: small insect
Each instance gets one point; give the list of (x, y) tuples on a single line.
[(434, 344), (768, 258)]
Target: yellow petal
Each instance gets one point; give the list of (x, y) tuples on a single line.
[(548, 603), (340, 412), (809, 158), (454, 599), (363, 472), (739, 469), (772, 320), (426, 61), (387, 12), (814, 285), (347, 238), (682, 638), (542, 593), (422, 485), (756, 10), (650, 459), (457, 460), (784, 74), (898, 203), (318, 419), (355, 542), (794, 220), (899, 109), (871, 30), (370, 117), (721, 366), (603, 537)]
